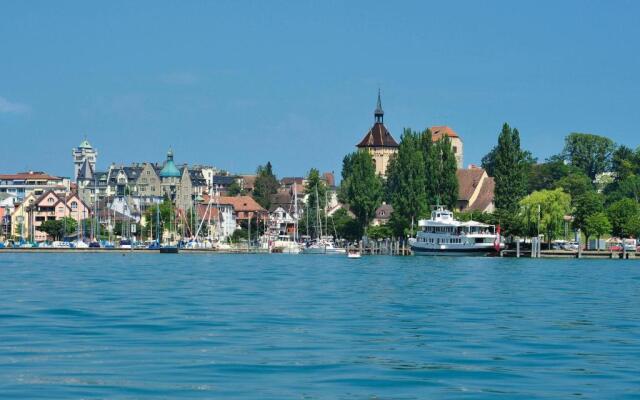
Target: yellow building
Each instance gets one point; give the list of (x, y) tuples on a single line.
[(379, 142)]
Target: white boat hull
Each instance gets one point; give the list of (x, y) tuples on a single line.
[(458, 251), (323, 250)]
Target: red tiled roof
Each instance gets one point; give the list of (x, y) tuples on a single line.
[(378, 136), (249, 181), (329, 178), (202, 212), (485, 198), (437, 132), (30, 175), (239, 203), (468, 180)]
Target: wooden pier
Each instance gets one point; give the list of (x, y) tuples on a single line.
[(572, 254)]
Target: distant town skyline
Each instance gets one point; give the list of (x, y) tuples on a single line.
[(235, 85)]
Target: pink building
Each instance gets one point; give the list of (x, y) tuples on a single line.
[(49, 206)]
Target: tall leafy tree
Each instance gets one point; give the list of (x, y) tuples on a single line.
[(406, 185), (545, 210), (510, 172), (362, 188), (628, 187), (265, 185), (625, 162), (597, 224), (153, 217), (430, 156), (585, 205), (444, 167), (59, 228), (591, 153), (625, 217)]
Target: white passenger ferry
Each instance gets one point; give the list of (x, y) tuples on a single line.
[(444, 235)]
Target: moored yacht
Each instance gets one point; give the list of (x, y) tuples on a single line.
[(324, 245), (442, 234)]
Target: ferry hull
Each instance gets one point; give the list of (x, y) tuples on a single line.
[(471, 252)]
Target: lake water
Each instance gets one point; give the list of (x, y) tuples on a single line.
[(139, 326)]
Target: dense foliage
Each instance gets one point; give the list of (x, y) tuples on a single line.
[(59, 228), (421, 174), (266, 184), (361, 188)]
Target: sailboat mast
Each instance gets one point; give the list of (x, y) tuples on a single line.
[(318, 218), (295, 212)]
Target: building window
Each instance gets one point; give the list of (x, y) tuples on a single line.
[(455, 149), (148, 172), (50, 200), (74, 205)]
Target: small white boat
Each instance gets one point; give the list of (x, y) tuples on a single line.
[(79, 244), (353, 253), (322, 246), (284, 244)]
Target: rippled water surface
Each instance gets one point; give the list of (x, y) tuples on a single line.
[(76, 326)]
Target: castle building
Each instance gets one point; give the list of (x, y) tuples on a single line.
[(439, 132), (379, 142), (176, 184), (83, 153)]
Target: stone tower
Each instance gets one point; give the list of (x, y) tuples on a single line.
[(83, 153), (379, 142)]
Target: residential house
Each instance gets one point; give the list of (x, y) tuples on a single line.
[(33, 211), (382, 215), (475, 190), (7, 206), (22, 184)]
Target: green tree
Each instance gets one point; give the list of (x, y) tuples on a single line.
[(585, 205), (510, 169), (625, 162), (266, 184), (548, 208), (488, 162), (346, 226), (628, 187), (625, 217), (151, 217), (576, 184), (235, 189), (597, 224), (59, 228), (406, 184), (591, 153), (362, 188), (444, 167), (432, 162), (380, 232)]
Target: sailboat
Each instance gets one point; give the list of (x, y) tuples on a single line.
[(321, 244), (167, 249), (283, 243)]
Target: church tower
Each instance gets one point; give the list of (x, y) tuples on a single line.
[(378, 141), (83, 153)]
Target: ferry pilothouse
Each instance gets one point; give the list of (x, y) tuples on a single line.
[(444, 235)]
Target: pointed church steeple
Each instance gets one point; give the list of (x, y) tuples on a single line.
[(379, 113)]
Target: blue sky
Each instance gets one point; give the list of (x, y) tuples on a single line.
[(235, 84)]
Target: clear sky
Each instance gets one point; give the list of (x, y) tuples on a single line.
[(235, 83)]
